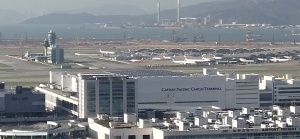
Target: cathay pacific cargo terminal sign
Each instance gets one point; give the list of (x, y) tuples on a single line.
[(192, 89)]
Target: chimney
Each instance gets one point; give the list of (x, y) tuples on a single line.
[(178, 11), (158, 13)]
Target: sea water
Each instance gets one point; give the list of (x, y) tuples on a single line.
[(210, 34)]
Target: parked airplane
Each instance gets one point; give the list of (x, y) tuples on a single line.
[(137, 60), (218, 56), (79, 54), (106, 52), (198, 60), (246, 61), (275, 59), (166, 58), (184, 62), (288, 57), (156, 58), (262, 59), (163, 58)]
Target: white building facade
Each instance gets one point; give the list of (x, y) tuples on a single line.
[(106, 94), (86, 95), (283, 91), (242, 91), (211, 89), (182, 91)]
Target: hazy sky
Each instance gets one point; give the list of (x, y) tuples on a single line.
[(38, 6)]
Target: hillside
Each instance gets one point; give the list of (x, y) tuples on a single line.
[(275, 12), (81, 18), (110, 10)]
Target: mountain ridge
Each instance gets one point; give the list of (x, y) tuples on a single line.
[(276, 12), (110, 10)]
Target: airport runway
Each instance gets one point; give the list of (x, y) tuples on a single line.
[(22, 71)]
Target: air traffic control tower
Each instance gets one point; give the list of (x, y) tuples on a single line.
[(53, 52), (51, 37)]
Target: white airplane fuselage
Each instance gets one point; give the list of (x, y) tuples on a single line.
[(106, 52), (185, 62), (274, 59), (246, 61)]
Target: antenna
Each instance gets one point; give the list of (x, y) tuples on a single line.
[(77, 38), (26, 38), (124, 35), (174, 35), (219, 41), (20, 39), (185, 36), (273, 39)]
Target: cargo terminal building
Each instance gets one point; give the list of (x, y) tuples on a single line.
[(191, 91), (115, 93), (198, 91)]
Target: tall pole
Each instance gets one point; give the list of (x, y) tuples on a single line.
[(219, 41), (273, 40), (178, 11)]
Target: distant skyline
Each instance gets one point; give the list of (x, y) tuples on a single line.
[(46, 6)]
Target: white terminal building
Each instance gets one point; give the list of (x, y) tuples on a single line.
[(115, 93)]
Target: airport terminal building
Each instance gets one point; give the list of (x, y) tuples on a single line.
[(195, 91), (85, 95), (115, 93)]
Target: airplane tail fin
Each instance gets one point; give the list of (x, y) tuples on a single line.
[(173, 58), (185, 58)]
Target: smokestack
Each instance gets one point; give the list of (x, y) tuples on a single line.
[(178, 11), (220, 21), (158, 13)]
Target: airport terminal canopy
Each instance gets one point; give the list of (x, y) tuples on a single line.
[(192, 50), (224, 51)]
